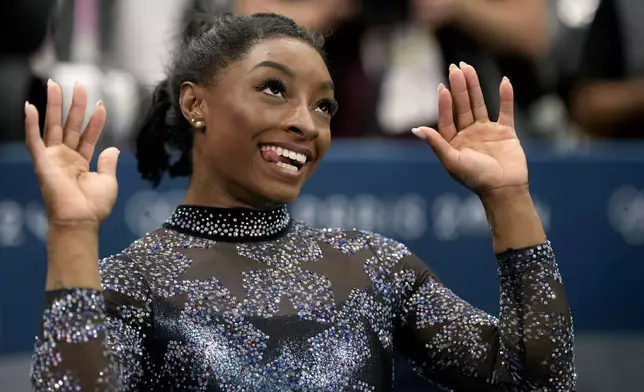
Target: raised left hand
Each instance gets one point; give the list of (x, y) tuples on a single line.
[(483, 155)]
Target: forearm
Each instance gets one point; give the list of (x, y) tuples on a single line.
[(513, 219), (601, 107), (509, 26), (72, 253), (95, 334), (535, 327)]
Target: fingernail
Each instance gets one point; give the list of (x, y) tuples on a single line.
[(452, 67), (49, 81), (99, 103), (418, 132), (462, 64), (505, 79), (441, 86), (26, 106)]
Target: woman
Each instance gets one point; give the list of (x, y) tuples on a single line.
[(231, 294)]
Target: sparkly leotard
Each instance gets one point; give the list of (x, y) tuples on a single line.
[(241, 300)]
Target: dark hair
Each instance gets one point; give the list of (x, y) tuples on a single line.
[(208, 44)]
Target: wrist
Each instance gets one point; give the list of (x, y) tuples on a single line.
[(73, 276), (72, 254), (513, 218), (505, 196), (62, 233)]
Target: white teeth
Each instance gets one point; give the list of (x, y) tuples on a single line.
[(301, 158), (287, 166)]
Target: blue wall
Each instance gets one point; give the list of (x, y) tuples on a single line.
[(591, 202)]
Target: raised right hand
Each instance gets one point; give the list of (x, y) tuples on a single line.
[(72, 193)]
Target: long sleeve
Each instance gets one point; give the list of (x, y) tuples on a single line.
[(456, 346), (91, 340)]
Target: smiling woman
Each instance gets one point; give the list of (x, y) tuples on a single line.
[(231, 293), (244, 97)]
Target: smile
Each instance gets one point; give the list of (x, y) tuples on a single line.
[(286, 159)]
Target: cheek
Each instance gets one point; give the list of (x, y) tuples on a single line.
[(234, 141), (323, 142), (237, 126)]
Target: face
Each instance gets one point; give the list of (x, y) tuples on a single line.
[(267, 121)]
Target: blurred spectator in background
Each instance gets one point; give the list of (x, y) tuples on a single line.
[(389, 67), (23, 30), (321, 15), (513, 31), (505, 26), (608, 100)]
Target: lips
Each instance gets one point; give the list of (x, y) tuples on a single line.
[(279, 154), (282, 159)]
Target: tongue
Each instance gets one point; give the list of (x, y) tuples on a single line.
[(271, 156)]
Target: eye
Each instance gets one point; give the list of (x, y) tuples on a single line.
[(327, 106), (273, 87)]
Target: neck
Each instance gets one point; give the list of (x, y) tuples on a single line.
[(213, 194)]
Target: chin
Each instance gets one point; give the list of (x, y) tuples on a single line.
[(280, 195)]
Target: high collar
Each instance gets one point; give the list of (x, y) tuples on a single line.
[(229, 224)]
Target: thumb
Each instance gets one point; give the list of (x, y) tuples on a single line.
[(443, 150), (108, 161)]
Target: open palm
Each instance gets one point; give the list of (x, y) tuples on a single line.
[(71, 192), (483, 155)]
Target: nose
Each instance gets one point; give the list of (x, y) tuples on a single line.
[(302, 123)]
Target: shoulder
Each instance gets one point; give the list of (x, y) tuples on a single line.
[(384, 258), (353, 240), (147, 245), (140, 265), (158, 245)]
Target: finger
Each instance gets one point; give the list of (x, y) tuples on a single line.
[(108, 161), (506, 112), (34, 141), (477, 102), (53, 133), (461, 98), (76, 116), (446, 126), (92, 132), (441, 147)]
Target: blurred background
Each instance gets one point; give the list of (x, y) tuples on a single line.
[(577, 67)]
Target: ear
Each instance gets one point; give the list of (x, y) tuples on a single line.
[(191, 102)]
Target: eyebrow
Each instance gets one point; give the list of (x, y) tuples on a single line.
[(272, 64), (328, 85)]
